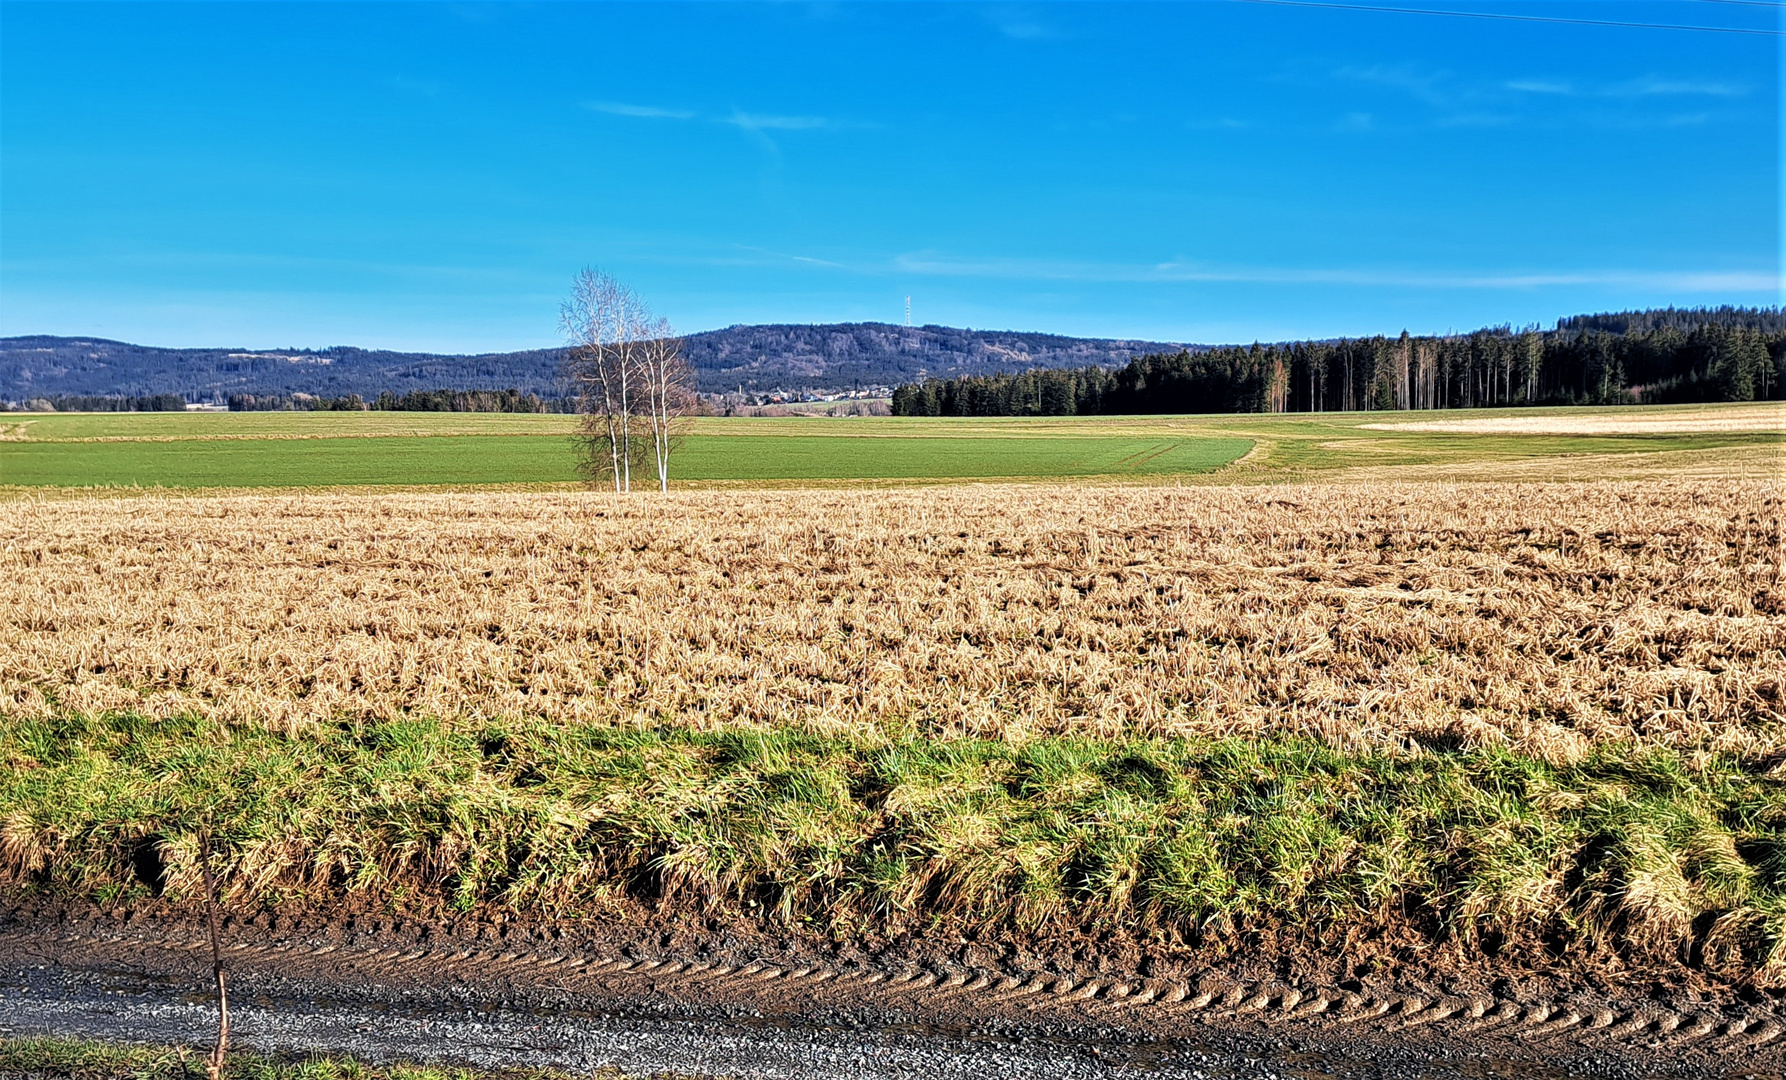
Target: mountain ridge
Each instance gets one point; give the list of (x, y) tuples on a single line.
[(758, 359)]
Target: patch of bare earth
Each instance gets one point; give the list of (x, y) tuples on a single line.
[(1386, 990)]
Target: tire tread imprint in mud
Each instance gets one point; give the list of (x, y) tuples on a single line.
[(319, 952)]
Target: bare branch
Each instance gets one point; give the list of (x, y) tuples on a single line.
[(631, 382)]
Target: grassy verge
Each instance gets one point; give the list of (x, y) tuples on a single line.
[(1639, 850), (87, 1059)]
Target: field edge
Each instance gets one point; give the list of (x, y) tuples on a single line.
[(1633, 855)]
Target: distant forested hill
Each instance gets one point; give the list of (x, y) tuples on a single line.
[(847, 355), (1662, 356), (50, 367), (758, 359), (1672, 354)]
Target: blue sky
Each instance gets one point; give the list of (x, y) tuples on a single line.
[(429, 176)]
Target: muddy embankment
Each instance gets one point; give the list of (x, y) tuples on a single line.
[(730, 996)]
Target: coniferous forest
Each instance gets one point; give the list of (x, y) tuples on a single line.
[(1647, 357)]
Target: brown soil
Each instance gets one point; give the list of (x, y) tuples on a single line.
[(1395, 988)]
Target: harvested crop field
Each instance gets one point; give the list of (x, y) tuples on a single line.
[(1678, 421), (1543, 618), (1536, 720)]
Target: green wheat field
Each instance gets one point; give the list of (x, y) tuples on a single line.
[(371, 449)]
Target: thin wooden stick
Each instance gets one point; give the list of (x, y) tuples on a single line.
[(214, 1065)]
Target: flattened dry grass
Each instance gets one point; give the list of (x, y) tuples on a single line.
[(1638, 850), (1544, 619)]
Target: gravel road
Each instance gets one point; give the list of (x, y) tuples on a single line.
[(712, 1002), (118, 1004)]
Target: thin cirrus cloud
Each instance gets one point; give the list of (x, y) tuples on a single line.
[(641, 112), (1474, 106), (766, 122), (747, 121), (1427, 86), (1019, 24), (769, 257), (1654, 87), (1190, 272), (1649, 86), (1542, 86)]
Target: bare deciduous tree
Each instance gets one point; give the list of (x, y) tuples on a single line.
[(669, 392), (604, 329), (593, 322), (632, 384)]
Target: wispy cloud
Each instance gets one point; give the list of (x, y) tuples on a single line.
[(805, 260), (751, 123), (1019, 24), (1653, 86), (1647, 87), (1225, 123), (239, 263), (1185, 271), (644, 112), (769, 122), (1542, 86), (1427, 86), (1533, 100), (477, 14)]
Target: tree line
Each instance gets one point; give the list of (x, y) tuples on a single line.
[(102, 403), (1650, 357), (478, 401)]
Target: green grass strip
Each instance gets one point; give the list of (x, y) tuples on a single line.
[(90, 1059), (1637, 847)]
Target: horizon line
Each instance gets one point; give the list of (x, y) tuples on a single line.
[(1523, 327)]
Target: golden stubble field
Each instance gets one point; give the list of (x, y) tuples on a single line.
[(1548, 617)]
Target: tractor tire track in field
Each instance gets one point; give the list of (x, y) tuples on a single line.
[(327, 956)]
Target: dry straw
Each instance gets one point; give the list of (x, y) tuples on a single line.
[(1546, 617)]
